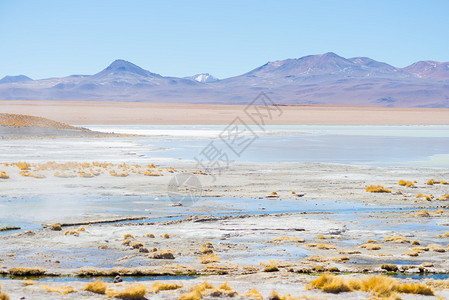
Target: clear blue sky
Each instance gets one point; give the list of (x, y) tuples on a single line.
[(225, 38)]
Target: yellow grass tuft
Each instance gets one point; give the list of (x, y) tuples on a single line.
[(325, 246), (160, 286), (28, 282), (423, 213), (444, 197), (416, 242), (289, 238), (55, 227), (128, 236), (192, 295), (412, 253), (371, 241), (254, 294), (23, 166), (370, 246), (162, 254), (436, 247), (206, 250), (397, 239), (136, 245), (349, 252), (150, 235), (329, 284), (321, 237), (26, 271), (273, 193), (63, 290), (97, 287), (209, 258), (406, 183), (3, 296), (377, 189), (3, 175), (417, 289), (379, 286), (166, 236), (134, 292)]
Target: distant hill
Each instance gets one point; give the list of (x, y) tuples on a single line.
[(315, 79), (18, 78)]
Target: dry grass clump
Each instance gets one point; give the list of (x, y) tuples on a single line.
[(198, 291), (97, 287), (26, 271), (136, 245), (412, 253), (423, 213), (133, 292), (3, 175), (349, 252), (128, 236), (289, 238), (3, 296), (162, 254), (63, 175), (370, 241), (207, 249), (151, 173), (55, 227), (209, 258), (63, 290), (75, 232), (329, 284), (416, 242), (406, 183), (377, 189), (325, 246), (427, 197), (420, 249), (370, 246), (150, 235), (342, 259), (444, 197), (389, 267), (397, 239), (254, 294), (436, 247), (23, 166), (166, 236), (379, 286), (114, 173), (28, 282), (432, 182), (160, 286), (126, 242), (29, 174), (216, 269), (446, 234)]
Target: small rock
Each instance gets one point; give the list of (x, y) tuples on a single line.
[(117, 279)]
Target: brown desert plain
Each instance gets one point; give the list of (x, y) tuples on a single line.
[(85, 210), (114, 113)]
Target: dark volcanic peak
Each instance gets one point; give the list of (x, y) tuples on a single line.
[(121, 66), (429, 69), (18, 78)]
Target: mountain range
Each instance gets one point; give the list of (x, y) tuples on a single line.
[(327, 79)]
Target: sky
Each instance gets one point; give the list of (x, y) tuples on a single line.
[(45, 38)]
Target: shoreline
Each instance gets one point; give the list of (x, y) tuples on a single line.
[(139, 113)]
